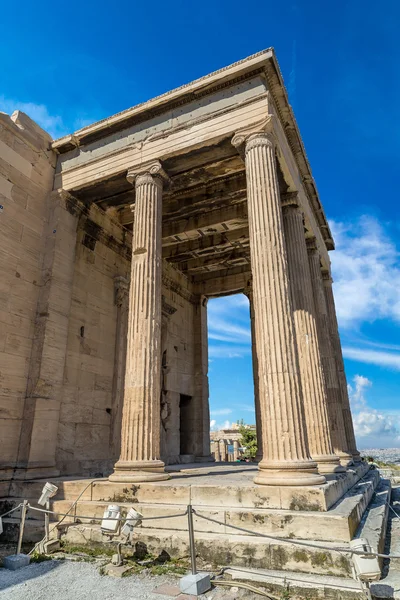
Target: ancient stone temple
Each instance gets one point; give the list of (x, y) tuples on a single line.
[(113, 239)]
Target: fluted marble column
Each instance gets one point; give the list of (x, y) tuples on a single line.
[(256, 379), (235, 450), (335, 414), (312, 378), (286, 459), (217, 454), (121, 287), (337, 347), (140, 438), (223, 451)]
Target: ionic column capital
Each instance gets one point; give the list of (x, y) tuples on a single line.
[(311, 244), (121, 290), (290, 200), (248, 290), (326, 276), (150, 172), (259, 134)]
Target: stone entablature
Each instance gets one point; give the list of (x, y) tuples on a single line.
[(202, 192)]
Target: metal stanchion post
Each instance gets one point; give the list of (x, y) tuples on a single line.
[(191, 540), (22, 525), (196, 583)]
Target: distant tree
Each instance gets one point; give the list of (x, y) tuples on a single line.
[(248, 440)]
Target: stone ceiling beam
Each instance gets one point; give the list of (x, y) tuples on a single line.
[(175, 250), (222, 283), (217, 259), (206, 223)]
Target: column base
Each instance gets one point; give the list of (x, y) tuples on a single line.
[(138, 471), (346, 459), (329, 464), (302, 472)]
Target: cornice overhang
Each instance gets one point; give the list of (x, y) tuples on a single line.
[(263, 62), (181, 95)]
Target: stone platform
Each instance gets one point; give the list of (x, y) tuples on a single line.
[(328, 515)]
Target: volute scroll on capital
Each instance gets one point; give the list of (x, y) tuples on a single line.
[(259, 134), (248, 290), (150, 172)]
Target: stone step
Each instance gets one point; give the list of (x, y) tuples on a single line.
[(298, 585), (197, 486), (339, 523), (279, 523), (373, 525), (226, 550), (68, 488)]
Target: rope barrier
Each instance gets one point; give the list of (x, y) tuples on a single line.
[(119, 519), (11, 511), (298, 542), (210, 519)]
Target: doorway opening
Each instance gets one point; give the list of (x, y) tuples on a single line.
[(185, 409), (230, 369)]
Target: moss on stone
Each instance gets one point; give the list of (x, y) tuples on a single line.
[(319, 559), (300, 556)]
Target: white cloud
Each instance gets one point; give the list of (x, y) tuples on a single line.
[(229, 326), (366, 270), (376, 429), (357, 392), (372, 428), (221, 411), (53, 124), (214, 426), (228, 351), (373, 357)]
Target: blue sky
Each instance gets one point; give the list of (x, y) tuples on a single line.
[(69, 65)]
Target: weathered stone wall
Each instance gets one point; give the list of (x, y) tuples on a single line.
[(84, 436), (178, 354), (81, 413), (26, 178), (84, 433)]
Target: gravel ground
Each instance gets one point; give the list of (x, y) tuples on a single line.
[(67, 580)]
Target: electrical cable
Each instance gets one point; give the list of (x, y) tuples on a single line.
[(241, 584)]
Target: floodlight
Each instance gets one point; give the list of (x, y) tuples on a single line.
[(111, 518), (133, 519), (366, 567), (48, 492)]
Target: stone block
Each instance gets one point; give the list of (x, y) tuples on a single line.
[(115, 571), (16, 561), (167, 589), (195, 584), (51, 546)]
